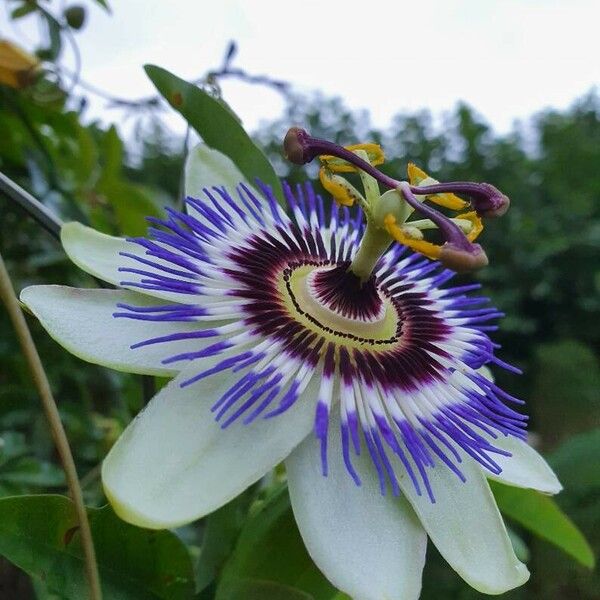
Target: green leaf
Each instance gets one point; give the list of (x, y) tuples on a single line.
[(84, 159), (19, 473), (112, 154), (23, 10), (221, 531), (543, 517), (39, 534), (216, 125), (104, 5), (131, 203), (254, 589), (270, 549)]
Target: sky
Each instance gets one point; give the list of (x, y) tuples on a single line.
[(506, 58)]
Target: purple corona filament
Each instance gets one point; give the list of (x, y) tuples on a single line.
[(269, 299)]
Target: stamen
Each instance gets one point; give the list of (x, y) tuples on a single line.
[(417, 176), (424, 247), (476, 224), (470, 224), (343, 191)]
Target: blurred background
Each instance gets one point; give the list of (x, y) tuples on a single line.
[(501, 91)]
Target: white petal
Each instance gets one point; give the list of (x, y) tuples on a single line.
[(206, 167), (465, 525), (370, 546), (99, 255), (82, 322), (175, 464), (525, 468), (94, 252)]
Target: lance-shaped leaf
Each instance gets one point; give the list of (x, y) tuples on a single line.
[(216, 125), (542, 516)]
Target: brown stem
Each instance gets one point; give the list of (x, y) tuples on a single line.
[(7, 293)]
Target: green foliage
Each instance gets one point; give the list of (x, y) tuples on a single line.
[(577, 462), (39, 534), (541, 515), (567, 374), (131, 203), (20, 472), (216, 125), (270, 555), (221, 530)]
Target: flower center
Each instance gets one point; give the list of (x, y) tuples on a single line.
[(330, 300), (341, 291)]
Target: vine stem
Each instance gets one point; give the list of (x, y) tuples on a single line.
[(32, 206), (7, 293)]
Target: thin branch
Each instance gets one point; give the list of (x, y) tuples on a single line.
[(7, 293), (33, 207), (211, 78), (282, 87)]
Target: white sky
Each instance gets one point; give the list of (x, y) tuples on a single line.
[(506, 58)]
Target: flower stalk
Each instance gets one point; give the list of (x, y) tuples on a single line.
[(33, 207), (7, 293)]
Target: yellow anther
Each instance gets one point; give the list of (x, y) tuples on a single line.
[(424, 247), (342, 191), (17, 67), (476, 224), (374, 155), (417, 176)]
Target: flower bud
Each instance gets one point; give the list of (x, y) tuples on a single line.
[(75, 16)]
